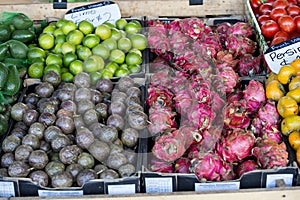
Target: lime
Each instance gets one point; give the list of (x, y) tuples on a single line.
[(83, 53), (76, 66), (54, 59), (75, 37), (93, 63), (95, 76), (85, 27), (61, 22), (139, 41), (116, 34), (46, 41), (91, 40), (60, 39), (35, 52), (110, 43), (103, 31), (49, 29), (111, 66), (53, 67), (124, 66), (135, 68), (136, 22), (68, 58), (123, 33), (111, 25), (117, 56), (132, 28), (57, 48), (133, 59), (53, 23), (101, 50), (64, 69), (124, 44), (39, 59), (136, 51), (57, 32), (36, 70), (67, 77), (68, 47), (121, 23), (107, 74), (121, 72), (68, 26)]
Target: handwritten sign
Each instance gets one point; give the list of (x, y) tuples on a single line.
[(7, 189), (96, 13), (159, 185), (217, 186)]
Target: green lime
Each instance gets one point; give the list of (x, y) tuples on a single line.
[(68, 58), (136, 22), (35, 52), (49, 29), (68, 26), (93, 63), (75, 37), (121, 23), (111, 66), (57, 32), (139, 41), (121, 72), (68, 47), (133, 59), (76, 66), (116, 34), (61, 22), (135, 68), (36, 70), (95, 76), (101, 50), (91, 40), (54, 59), (132, 28), (60, 39), (67, 77), (57, 48), (107, 74), (117, 56), (64, 69), (111, 25), (83, 53), (103, 31), (46, 41), (39, 59), (133, 50), (123, 33), (53, 23), (85, 27), (110, 43), (53, 67), (124, 44)]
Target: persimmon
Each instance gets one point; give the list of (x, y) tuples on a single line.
[(294, 139), (286, 73), (274, 90)]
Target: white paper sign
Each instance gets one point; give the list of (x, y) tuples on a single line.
[(121, 189), (53, 193), (199, 187), (282, 54), (7, 189), (97, 13), (271, 179), (159, 185)]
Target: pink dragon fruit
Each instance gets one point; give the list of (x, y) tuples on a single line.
[(249, 65), (189, 134), (182, 165), (270, 154), (162, 77), (208, 46), (236, 145), (179, 43), (161, 120), (157, 165), (194, 27), (236, 115), (182, 102), (256, 126), (239, 45), (246, 166), (158, 65), (174, 27), (199, 90), (222, 28), (235, 96), (268, 113), (210, 167), (193, 151), (254, 95), (209, 140), (241, 28), (229, 78), (180, 82), (271, 131), (226, 59), (201, 116), (160, 97)]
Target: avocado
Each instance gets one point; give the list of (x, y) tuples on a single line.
[(5, 33), (25, 36), (13, 83), (17, 49), (3, 75), (4, 52), (21, 21)]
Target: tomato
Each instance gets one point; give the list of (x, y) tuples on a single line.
[(276, 13), (293, 10), (282, 34), (255, 4), (277, 40), (297, 22), (287, 23), (280, 4), (262, 19), (294, 34), (270, 1), (265, 9), (292, 2), (269, 29)]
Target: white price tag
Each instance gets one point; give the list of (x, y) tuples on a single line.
[(217, 186), (154, 185), (121, 189), (53, 193), (271, 179), (97, 13), (7, 189)]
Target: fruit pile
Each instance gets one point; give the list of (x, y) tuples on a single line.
[(106, 51), (69, 133)]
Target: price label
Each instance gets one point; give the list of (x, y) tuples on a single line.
[(54, 193), (199, 187), (97, 13), (7, 189), (271, 179), (159, 185), (121, 189)]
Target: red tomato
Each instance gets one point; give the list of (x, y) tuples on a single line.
[(262, 19), (277, 40), (276, 13), (297, 22), (287, 24), (255, 4), (269, 29), (282, 34), (265, 9), (280, 4), (292, 2), (270, 1), (293, 10), (295, 34)]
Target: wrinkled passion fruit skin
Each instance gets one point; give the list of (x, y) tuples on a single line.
[(40, 177), (69, 154), (85, 176), (62, 180), (18, 169), (7, 159)]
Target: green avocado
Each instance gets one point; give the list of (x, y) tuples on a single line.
[(21, 21)]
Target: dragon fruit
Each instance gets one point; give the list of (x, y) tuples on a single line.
[(271, 131), (241, 28), (239, 45), (235, 96), (209, 139), (249, 65), (174, 27), (194, 27), (236, 145), (254, 95), (189, 134), (182, 165), (210, 167), (236, 115), (268, 113), (226, 59), (246, 166), (180, 82), (200, 90), (256, 126), (182, 102), (201, 116), (270, 154), (157, 165), (179, 43), (162, 77), (208, 46), (229, 78), (160, 97)]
